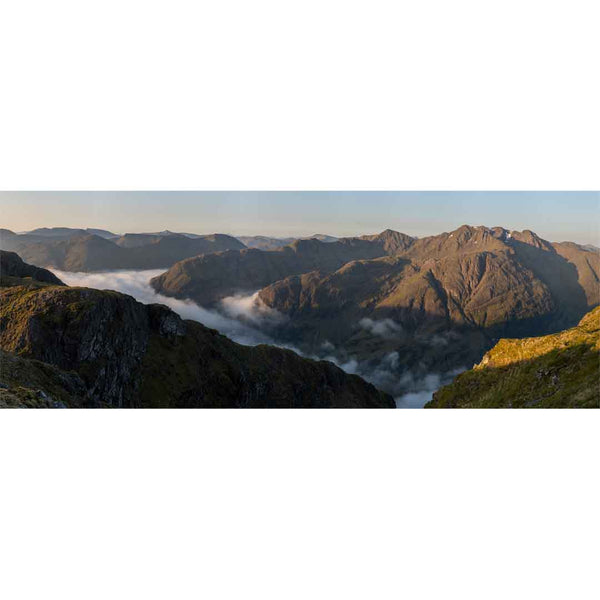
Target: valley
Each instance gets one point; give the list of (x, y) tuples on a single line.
[(405, 314)]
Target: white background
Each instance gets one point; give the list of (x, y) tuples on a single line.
[(299, 95)]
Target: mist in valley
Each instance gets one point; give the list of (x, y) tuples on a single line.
[(245, 320)]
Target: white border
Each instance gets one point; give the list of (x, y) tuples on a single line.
[(270, 95), (298, 504), (315, 95)]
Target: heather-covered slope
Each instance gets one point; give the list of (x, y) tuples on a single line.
[(86, 252), (555, 371), (207, 279), (110, 350)]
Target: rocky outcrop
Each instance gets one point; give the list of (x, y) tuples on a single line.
[(555, 371), (26, 383), (13, 270)]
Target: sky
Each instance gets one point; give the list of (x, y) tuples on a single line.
[(556, 216)]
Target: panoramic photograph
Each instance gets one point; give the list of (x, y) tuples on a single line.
[(300, 300), (254, 259)]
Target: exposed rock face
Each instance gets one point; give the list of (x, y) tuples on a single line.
[(13, 268), (82, 251), (113, 351), (102, 335), (26, 383), (555, 371), (207, 279)]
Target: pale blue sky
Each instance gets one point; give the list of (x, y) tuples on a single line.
[(555, 216)]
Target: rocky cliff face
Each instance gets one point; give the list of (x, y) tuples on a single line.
[(555, 371), (110, 350), (26, 383)]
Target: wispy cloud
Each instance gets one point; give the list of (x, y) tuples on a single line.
[(385, 328), (246, 320), (137, 284)]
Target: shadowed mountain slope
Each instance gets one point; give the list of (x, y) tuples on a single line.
[(555, 371), (207, 279), (444, 300), (108, 350)]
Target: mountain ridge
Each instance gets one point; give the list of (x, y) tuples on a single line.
[(89, 252), (484, 283), (207, 279), (88, 348), (555, 371)]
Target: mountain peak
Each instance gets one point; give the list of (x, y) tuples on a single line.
[(531, 239), (393, 241)]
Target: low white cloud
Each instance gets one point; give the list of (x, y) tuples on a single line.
[(410, 390), (137, 284), (421, 390), (415, 399), (386, 328), (251, 308)]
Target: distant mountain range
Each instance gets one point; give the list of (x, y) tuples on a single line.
[(79, 347), (87, 249), (261, 242), (44, 233), (81, 250), (555, 371)]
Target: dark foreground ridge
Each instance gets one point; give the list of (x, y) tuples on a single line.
[(79, 347), (554, 371)]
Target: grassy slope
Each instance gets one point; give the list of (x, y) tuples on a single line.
[(554, 371)]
